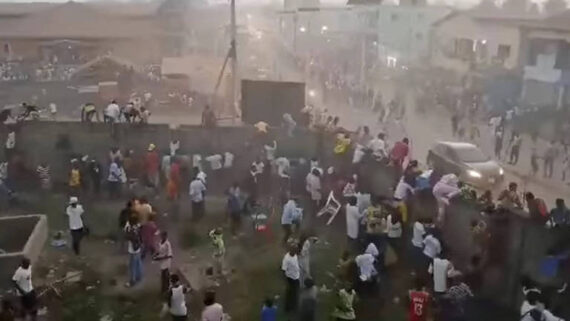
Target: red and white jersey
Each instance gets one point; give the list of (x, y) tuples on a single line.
[(418, 305)]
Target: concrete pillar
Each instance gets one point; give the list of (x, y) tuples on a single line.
[(523, 90), (560, 100)]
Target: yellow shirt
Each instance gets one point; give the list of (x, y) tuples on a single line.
[(74, 178), (342, 145)]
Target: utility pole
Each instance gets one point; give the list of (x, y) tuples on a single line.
[(234, 81)]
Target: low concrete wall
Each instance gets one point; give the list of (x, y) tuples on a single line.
[(20, 236), (38, 142)]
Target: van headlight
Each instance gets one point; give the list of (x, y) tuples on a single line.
[(501, 171), (474, 174)]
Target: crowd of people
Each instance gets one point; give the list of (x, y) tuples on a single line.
[(336, 180)]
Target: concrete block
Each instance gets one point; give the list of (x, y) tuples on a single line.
[(20, 236)]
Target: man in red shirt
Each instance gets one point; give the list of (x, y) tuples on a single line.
[(399, 153), (151, 166), (419, 302)]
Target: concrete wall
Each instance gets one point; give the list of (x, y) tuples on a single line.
[(37, 142), (28, 234)]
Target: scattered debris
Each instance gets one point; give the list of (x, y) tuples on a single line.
[(58, 239), (324, 289), (106, 317), (73, 276), (42, 311), (396, 300)]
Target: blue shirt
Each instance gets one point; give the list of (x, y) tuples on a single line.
[(268, 313), (290, 213)]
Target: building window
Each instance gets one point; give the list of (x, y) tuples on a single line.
[(503, 52), (394, 17), (464, 48)]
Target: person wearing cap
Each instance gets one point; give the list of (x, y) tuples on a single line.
[(74, 213), (151, 165)]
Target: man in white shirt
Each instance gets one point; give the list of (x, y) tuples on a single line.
[(164, 256), (353, 218), (74, 212), (378, 146), (282, 167), (259, 166), (365, 263), (441, 269), (432, 246), (215, 161), (197, 191), (292, 271), (213, 311), (372, 250), (22, 281), (228, 160), (177, 299), (174, 147), (313, 187), (270, 151), (112, 112), (418, 233), (532, 309)]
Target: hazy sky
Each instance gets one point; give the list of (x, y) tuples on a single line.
[(458, 3)]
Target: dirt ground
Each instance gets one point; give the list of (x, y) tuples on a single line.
[(252, 264)]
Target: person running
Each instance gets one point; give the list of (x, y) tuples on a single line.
[(515, 148), (419, 300), (549, 155), (74, 212)]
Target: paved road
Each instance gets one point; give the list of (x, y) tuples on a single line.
[(423, 129)]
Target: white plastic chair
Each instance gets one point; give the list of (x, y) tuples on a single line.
[(332, 207)]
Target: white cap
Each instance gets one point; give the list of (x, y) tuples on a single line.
[(73, 200)]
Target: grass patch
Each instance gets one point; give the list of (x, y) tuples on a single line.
[(189, 238)]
